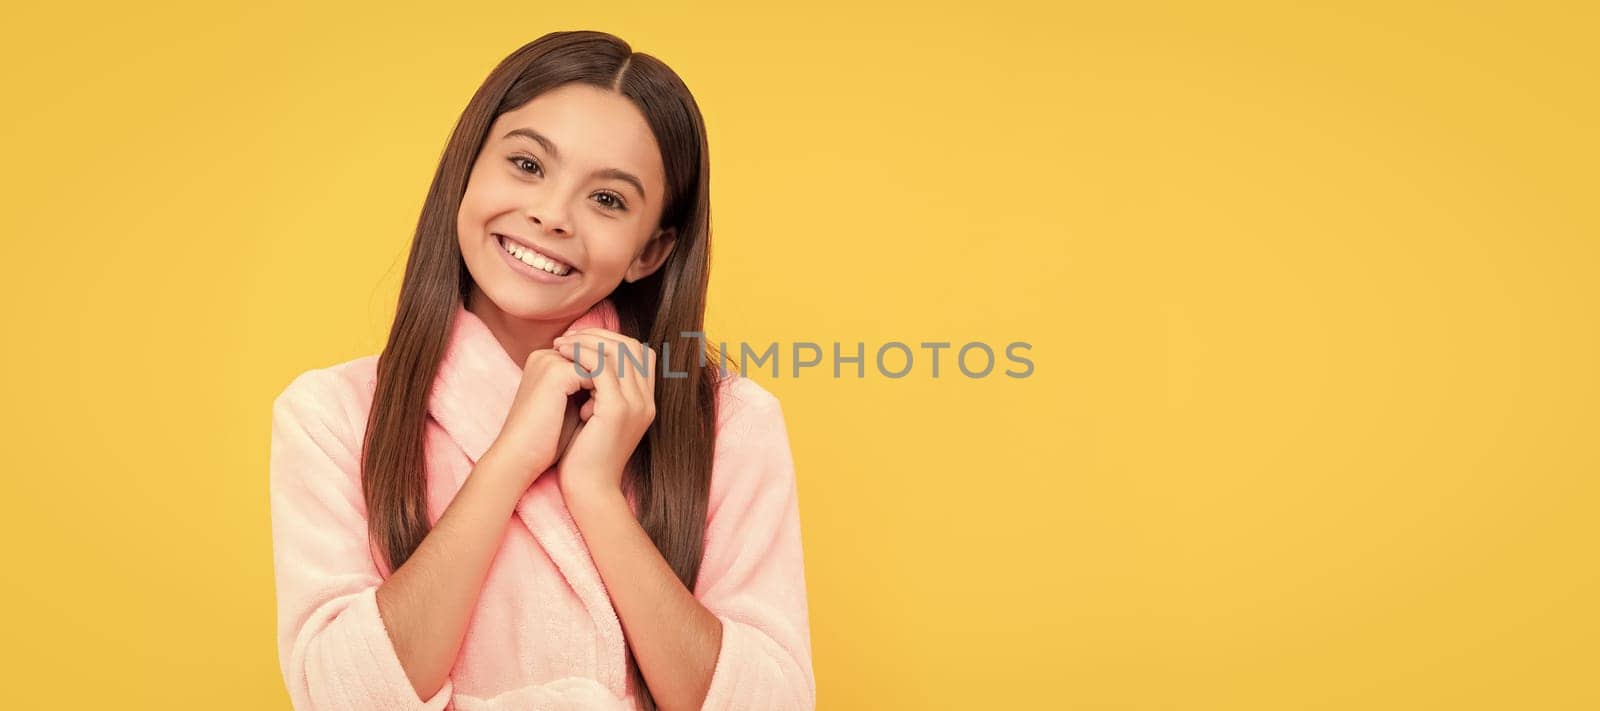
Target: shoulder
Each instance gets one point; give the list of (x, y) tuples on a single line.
[(744, 407), (334, 398), (318, 425), (752, 458)]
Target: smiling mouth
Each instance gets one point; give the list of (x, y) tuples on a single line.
[(533, 258)]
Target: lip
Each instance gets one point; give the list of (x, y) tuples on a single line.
[(525, 244), (527, 270)]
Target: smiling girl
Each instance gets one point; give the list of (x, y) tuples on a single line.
[(499, 511)]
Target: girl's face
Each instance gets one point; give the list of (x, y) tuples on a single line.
[(563, 203)]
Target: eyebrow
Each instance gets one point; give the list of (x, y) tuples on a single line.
[(550, 147)]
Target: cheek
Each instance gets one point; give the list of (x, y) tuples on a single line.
[(478, 209), (611, 246), (487, 193), (468, 224), (468, 212), (477, 200)]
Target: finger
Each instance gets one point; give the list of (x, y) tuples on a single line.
[(584, 351), (598, 359), (650, 379), (639, 374), (569, 427), (625, 361), (601, 334), (621, 362), (634, 361), (622, 375), (569, 384)]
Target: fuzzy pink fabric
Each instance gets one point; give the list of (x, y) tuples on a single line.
[(544, 634)]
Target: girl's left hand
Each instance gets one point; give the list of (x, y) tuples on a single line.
[(621, 406)]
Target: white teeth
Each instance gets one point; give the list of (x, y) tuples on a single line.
[(533, 259)]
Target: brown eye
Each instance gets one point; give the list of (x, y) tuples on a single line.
[(611, 201), (520, 161)]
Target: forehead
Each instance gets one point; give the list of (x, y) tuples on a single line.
[(592, 129)]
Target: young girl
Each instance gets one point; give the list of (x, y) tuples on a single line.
[(503, 510)]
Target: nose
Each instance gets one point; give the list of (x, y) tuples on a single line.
[(549, 213)]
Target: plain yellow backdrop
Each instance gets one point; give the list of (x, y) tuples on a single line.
[(1311, 294)]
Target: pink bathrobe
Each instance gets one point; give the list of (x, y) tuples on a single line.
[(544, 634)]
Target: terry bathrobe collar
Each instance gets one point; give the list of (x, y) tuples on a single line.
[(472, 394), (478, 380)]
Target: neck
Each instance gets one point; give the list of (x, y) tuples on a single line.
[(518, 336)]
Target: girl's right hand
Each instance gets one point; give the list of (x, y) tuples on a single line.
[(543, 414)]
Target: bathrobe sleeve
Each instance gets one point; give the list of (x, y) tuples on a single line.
[(333, 648), (753, 574)]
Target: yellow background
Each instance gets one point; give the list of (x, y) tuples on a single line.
[(1311, 295)]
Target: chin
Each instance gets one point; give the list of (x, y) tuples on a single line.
[(523, 301)]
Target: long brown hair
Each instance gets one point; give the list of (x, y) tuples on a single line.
[(670, 471)]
